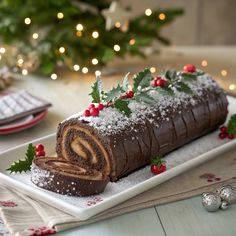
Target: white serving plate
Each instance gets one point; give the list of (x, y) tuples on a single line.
[(179, 161)]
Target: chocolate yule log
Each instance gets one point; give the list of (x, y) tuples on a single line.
[(67, 178), (164, 114)]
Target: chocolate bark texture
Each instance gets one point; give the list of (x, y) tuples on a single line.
[(67, 178), (116, 145)]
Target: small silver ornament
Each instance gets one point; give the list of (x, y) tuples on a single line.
[(224, 205), (211, 201), (227, 193)]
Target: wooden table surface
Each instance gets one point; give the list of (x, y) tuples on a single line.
[(69, 94)]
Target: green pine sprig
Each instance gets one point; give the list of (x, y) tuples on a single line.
[(231, 127), (24, 165)]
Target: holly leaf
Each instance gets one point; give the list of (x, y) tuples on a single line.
[(170, 74), (142, 79), (122, 106), (125, 82), (231, 127), (158, 161), (114, 93), (96, 91), (144, 97), (200, 72), (166, 90), (24, 164), (189, 76), (182, 87)]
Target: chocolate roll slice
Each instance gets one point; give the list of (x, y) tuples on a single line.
[(117, 145), (67, 178)]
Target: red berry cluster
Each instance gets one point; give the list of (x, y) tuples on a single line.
[(223, 133), (93, 110), (189, 68), (159, 82), (158, 166), (39, 148), (129, 94)]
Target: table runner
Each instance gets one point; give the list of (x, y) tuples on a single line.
[(23, 215)]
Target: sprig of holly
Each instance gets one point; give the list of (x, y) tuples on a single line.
[(24, 165), (231, 127)]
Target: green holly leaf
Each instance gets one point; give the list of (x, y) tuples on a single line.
[(114, 94), (144, 97), (96, 91), (170, 74), (200, 72), (158, 161), (231, 127), (189, 76), (125, 82), (24, 164), (183, 87), (142, 79), (165, 90), (122, 106)]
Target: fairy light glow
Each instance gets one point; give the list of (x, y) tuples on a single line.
[(76, 67), (162, 16), (98, 72), (117, 24), (85, 70), (148, 12), (79, 27), (27, 21), (53, 76), (78, 33), (35, 35), (232, 87), (62, 49), (224, 73), (153, 69), (24, 72), (204, 63), (95, 34), (94, 61), (132, 42), (116, 47), (2, 50), (60, 15), (20, 61)]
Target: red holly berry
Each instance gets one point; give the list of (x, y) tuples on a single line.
[(91, 106), (222, 135), (161, 82), (100, 106), (39, 147), (86, 112), (94, 111), (129, 94), (40, 153), (230, 136), (154, 83), (223, 129), (189, 68), (155, 169)]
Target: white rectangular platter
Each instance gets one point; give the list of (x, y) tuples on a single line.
[(179, 161)]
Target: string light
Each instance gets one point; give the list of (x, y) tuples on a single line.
[(95, 34), (24, 72), (76, 67), (2, 50), (132, 42), (232, 86), (117, 24), (35, 35), (27, 21), (116, 47), (98, 72), (62, 49), (224, 73), (79, 27), (162, 16), (60, 15), (94, 61), (78, 33), (153, 69), (148, 12), (204, 63), (53, 76), (20, 61), (85, 70)]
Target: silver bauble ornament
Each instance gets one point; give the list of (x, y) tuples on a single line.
[(224, 205), (227, 193), (211, 201)]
